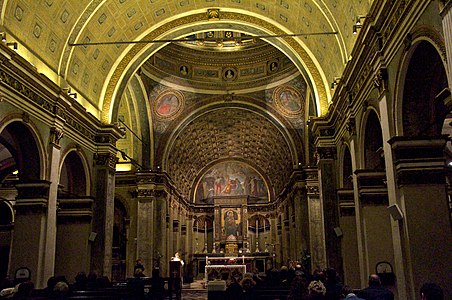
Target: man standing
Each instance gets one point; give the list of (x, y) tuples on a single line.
[(375, 291)]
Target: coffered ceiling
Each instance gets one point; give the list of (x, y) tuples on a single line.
[(208, 101), (47, 27)]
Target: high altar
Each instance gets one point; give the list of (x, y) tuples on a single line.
[(231, 254)]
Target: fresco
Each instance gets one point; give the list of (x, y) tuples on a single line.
[(288, 100), (168, 104), (231, 179)]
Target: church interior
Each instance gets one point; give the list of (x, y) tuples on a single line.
[(272, 132)]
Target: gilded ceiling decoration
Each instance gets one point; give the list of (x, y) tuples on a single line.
[(243, 69), (229, 134)]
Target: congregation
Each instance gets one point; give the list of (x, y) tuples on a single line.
[(291, 283)]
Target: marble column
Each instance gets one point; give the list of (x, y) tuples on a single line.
[(316, 221), (104, 192), (400, 267), (144, 227), (327, 180), (56, 134), (286, 234), (160, 230), (301, 220), (292, 237), (274, 240), (103, 214)]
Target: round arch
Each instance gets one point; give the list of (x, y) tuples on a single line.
[(231, 20), (372, 146), (74, 172), (427, 49), (24, 143), (345, 165)]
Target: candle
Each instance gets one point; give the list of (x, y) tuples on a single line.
[(257, 229)]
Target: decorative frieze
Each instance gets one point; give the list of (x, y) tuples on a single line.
[(326, 152)]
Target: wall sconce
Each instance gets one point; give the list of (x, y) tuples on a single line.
[(335, 82), (358, 23), (3, 36), (12, 45), (73, 95)]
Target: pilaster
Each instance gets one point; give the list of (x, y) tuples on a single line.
[(420, 179), (28, 246), (103, 211), (74, 217), (316, 223), (327, 181)]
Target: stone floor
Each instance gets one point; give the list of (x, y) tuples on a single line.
[(194, 291)]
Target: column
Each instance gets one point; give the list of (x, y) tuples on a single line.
[(56, 134), (286, 233), (274, 249), (144, 223), (327, 181), (301, 222), (400, 268), (316, 223), (103, 210), (292, 238), (217, 224), (160, 230)]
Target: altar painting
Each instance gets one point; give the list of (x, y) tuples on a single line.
[(231, 223), (231, 179)]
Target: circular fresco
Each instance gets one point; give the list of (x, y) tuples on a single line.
[(168, 104), (288, 100)]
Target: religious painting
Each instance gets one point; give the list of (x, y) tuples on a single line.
[(231, 223), (231, 179), (229, 74), (273, 66), (168, 104), (288, 100)]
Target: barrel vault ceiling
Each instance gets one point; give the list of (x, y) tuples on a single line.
[(250, 123)]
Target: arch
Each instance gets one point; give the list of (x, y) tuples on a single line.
[(423, 77), (372, 142), (243, 185), (6, 212), (293, 47), (346, 168), (74, 174), (25, 147)]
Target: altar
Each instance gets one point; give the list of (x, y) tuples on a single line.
[(216, 265), (224, 272)]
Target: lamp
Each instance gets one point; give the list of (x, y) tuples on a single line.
[(358, 23), (12, 45), (3, 36), (355, 28), (335, 82), (73, 95)]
